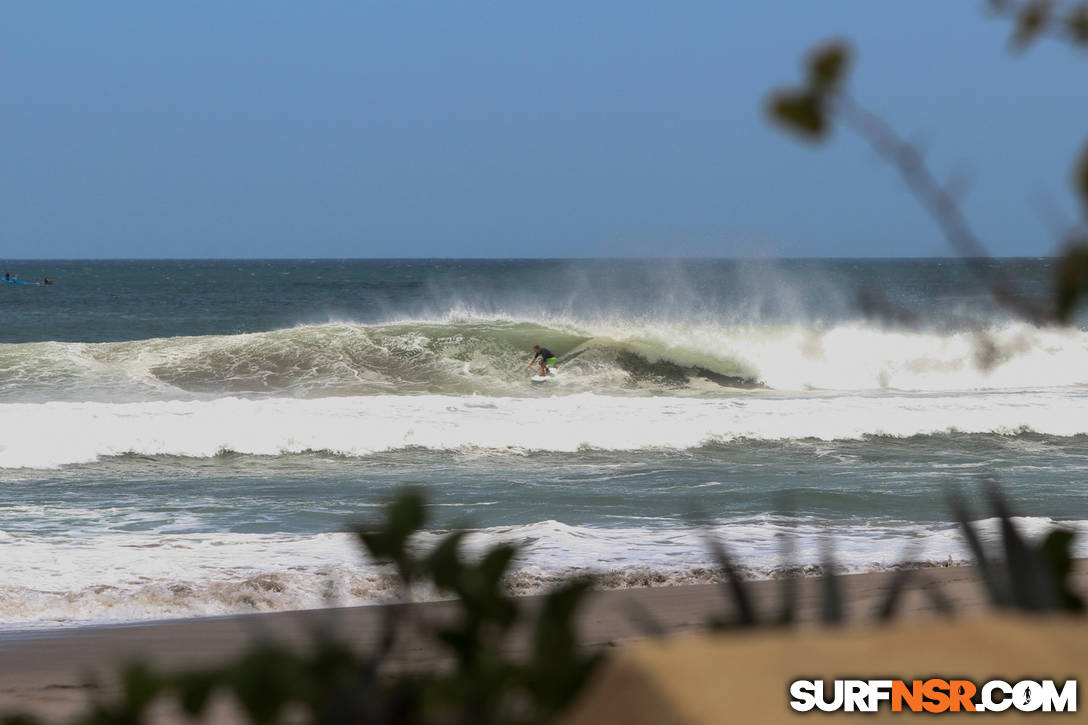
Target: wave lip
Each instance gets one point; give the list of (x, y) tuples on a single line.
[(56, 434), (464, 356)]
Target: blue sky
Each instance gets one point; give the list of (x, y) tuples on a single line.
[(498, 129)]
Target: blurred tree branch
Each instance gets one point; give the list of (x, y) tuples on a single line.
[(810, 109), (1036, 18)]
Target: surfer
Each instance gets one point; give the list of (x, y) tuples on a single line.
[(547, 358)]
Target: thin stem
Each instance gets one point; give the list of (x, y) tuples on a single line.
[(940, 204)]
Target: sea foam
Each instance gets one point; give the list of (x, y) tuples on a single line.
[(97, 577), (55, 434)]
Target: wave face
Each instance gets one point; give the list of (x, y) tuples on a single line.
[(464, 356)]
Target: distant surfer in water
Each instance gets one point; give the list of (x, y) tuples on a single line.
[(546, 356)]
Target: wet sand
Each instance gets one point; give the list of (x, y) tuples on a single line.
[(50, 673)]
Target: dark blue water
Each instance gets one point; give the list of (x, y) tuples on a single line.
[(99, 301)]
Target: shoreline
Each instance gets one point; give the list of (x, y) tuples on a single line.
[(521, 584), (48, 672)]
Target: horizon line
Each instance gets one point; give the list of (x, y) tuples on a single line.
[(522, 259)]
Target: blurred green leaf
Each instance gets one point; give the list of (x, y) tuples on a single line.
[(1077, 23), (832, 603), (195, 689), (1032, 19), (886, 610), (406, 514), (1080, 179), (266, 680), (140, 684), (1071, 273), (1057, 551), (494, 565), (554, 635), (826, 65), (444, 561), (804, 110), (995, 585), (390, 543), (558, 667), (734, 584), (799, 111), (1030, 583)]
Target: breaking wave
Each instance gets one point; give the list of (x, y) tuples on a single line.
[(58, 433), (115, 577), (463, 356)]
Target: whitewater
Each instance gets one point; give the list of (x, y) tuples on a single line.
[(195, 438), (55, 434), (462, 355)]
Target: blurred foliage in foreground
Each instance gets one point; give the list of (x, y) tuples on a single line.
[(479, 677), (811, 109), (335, 683)]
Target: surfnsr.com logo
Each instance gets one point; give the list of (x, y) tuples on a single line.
[(933, 695)]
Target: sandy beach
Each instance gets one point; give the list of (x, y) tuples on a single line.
[(49, 672)]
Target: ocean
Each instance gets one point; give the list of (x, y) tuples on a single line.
[(191, 438)]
